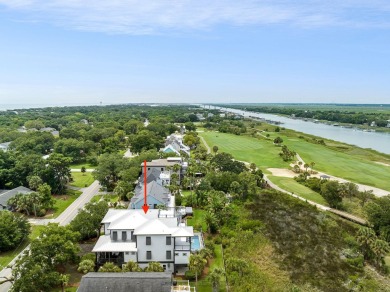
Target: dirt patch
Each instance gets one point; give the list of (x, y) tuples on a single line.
[(282, 172)]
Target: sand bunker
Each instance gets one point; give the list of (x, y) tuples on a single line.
[(282, 172)]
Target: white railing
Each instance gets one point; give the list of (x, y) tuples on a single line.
[(183, 286)]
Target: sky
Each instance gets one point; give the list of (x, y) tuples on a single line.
[(59, 52)]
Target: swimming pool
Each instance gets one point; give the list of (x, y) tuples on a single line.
[(196, 243)]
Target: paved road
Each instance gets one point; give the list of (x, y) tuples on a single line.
[(63, 219)]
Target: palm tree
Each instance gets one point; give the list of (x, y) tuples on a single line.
[(131, 266), (197, 264), (154, 267), (365, 238), (379, 249), (312, 166), (110, 268), (35, 199), (206, 253), (306, 166), (210, 220), (215, 277), (297, 169), (236, 264)]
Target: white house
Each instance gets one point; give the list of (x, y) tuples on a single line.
[(165, 166), (174, 144), (132, 235), (5, 146)]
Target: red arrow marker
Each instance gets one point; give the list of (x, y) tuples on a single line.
[(145, 207)]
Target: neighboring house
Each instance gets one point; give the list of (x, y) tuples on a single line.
[(200, 117), (177, 144), (6, 195), (124, 282), (166, 165), (156, 195), (171, 149), (5, 146), (132, 235), (53, 131)]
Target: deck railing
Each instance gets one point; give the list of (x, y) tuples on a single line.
[(183, 286)]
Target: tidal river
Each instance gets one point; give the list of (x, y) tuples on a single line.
[(373, 140)]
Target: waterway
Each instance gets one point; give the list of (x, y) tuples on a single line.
[(374, 140)]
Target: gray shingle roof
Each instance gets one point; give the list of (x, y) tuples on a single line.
[(153, 189), (151, 175), (5, 196), (118, 282)]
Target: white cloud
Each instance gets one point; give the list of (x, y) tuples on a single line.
[(160, 16)]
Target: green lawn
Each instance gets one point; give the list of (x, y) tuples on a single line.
[(198, 219), (111, 198), (7, 257), (289, 184), (63, 201), (82, 180), (245, 148), (79, 165), (349, 162)]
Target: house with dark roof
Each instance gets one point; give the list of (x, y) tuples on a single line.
[(124, 282), (156, 195), (6, 195)]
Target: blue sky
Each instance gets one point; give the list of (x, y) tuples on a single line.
[(87, 52)]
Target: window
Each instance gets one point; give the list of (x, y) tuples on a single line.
[(162, 168), (168, 240), (169, 255), (148, 240), (132, 236), (148, 255), (114, 235), (127, 252), (176, 254), (133, 253), (184, 253), (124, 235)]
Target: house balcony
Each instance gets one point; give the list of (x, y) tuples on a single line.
[(181, 244)]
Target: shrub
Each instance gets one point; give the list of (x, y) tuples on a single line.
[(89, 256), (190, 275), (86, 266)]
